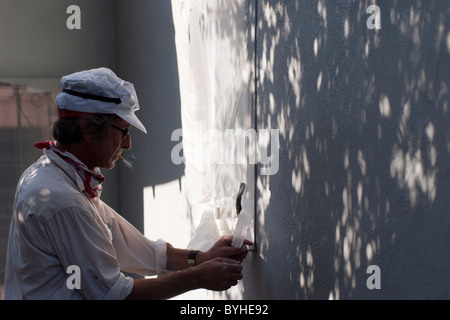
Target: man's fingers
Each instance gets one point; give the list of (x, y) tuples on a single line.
[(229, 239), (232, 262), (231, 266), (225, 273)]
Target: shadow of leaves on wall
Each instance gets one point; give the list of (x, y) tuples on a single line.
[(364, 152)]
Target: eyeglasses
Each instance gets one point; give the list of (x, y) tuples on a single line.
[(124, 131)]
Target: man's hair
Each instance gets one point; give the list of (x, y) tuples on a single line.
[(69, 130)]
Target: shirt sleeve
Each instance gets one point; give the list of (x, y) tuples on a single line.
[(80, 239), (135, 252)]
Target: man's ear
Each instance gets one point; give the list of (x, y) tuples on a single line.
[(86, 131)]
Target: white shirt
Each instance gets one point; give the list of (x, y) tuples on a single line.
[(56, 225)]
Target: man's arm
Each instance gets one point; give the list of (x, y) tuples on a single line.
[(217, 269), (217, 274), (177, 259)]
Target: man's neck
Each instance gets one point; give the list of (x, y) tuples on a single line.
[(79, 150)]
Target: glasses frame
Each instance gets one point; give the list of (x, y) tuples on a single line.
[(125, 132)]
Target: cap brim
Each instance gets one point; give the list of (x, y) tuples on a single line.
[(133, 120)]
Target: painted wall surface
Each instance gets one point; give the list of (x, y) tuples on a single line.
[(364, 151)]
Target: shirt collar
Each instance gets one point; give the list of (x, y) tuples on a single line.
[(66, 167)]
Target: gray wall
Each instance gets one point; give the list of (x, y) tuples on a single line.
[(146, 56), (364, 151), (36, 43)]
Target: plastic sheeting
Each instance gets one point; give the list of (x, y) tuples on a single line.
[(215, 72)]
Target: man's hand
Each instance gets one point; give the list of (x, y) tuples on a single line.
[(217, 269), (218, 274), (223, 249)]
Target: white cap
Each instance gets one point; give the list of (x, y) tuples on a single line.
[(99, 91)]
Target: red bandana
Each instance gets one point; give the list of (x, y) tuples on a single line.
[(93, 186)]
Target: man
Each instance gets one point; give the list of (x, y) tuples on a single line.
[(59, 220)]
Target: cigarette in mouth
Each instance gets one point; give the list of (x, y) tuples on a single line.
[(125, 162)]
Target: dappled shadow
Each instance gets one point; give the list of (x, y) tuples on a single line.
[(364, 153)]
